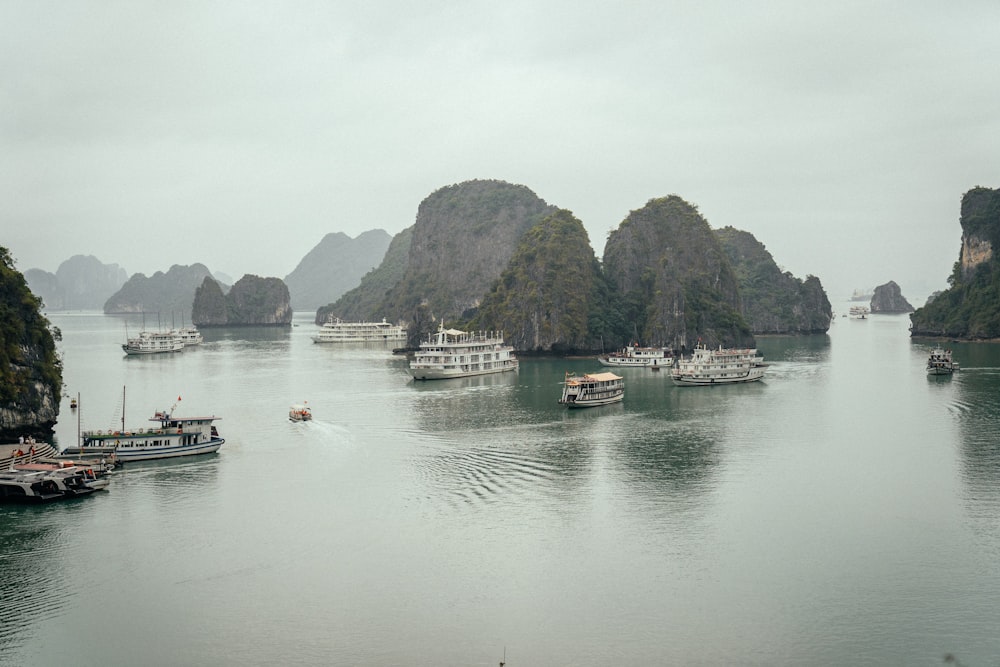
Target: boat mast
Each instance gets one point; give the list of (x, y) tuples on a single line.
[(123, 409), (79, 409)]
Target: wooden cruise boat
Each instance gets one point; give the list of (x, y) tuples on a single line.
[(721, 366), (189, 336), (450, 353), (585, 391), (336, 330)]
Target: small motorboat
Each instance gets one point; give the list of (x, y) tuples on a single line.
[(300, 413)]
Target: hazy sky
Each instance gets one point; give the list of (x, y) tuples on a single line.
[(237, 134)]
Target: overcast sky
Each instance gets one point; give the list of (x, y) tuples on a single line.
[(238, 134)]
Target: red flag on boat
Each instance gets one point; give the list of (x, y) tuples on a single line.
[(178, 398)]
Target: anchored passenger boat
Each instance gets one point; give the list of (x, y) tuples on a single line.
[(336, 330), (641, 357), (153, 342), (39, 483), (451, 353), (584, 391), (721, 366)]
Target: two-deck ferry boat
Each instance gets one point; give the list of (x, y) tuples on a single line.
[(451, 353), (189, 336), (584, 391), (639, 357), (170, 437), (153, 342), (335, 330), (940, 362), (721, 366)]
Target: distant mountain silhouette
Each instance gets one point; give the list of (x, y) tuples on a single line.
[(335, 266), (82, 282), (169, 294)]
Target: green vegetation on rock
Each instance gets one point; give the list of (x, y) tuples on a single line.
[(30, 368)]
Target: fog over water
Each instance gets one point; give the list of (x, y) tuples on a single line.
[(237, 135)]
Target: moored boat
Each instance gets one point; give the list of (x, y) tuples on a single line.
[(335, 330), (940, 362), (172, 437), (153, 342), (859, 312), (450, 353), (188, 336), (718, 366), (299, 413), (640, 357), (584, 391), (40, 483)]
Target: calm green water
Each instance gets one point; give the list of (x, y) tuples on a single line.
[(844, 511)]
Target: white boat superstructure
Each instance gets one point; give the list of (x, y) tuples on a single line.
[(189, 336), (584, 391), (719, 366), (940, 362), (640, 357), (450, 353), (171, 437), (153, 342), (336, 330), (859, 312)]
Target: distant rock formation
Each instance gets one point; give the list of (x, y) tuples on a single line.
[(463, 238), (30, 369), (361, 304), (888, 298), (544, 297), (82, 282), (334, 266), (252, 301), (169, 294), (773, 302), (970, 308), (675, 282)]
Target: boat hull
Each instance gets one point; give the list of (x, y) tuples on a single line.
[(593, 403), (149, 454), (451, 374), (688, 381)]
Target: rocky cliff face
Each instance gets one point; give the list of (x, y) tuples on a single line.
[(888, 298), (773, 302), (674, 278), (544, 297), (463, 238), (168, 294), (361, 304), (334, 266), (30, 369), (970, 307), (252, 301)]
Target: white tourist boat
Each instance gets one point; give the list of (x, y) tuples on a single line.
[(170, 437), (335, 330), (300, 413), (639, 357), (584, 391), (450, 353), (720, 366), (189, 336), (153, 342), (940, 362), (39, 483), (859, 312)]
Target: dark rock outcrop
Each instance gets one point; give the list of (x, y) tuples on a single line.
[(30, 369), (676, 283), (544, 297), (888, 298), (82, 282), (252, 301), (970, 308), (773, 302), (362, 302), (168, 294), (334, 266), (463, 238)]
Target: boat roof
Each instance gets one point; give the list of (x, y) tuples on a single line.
[(594, 377)]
